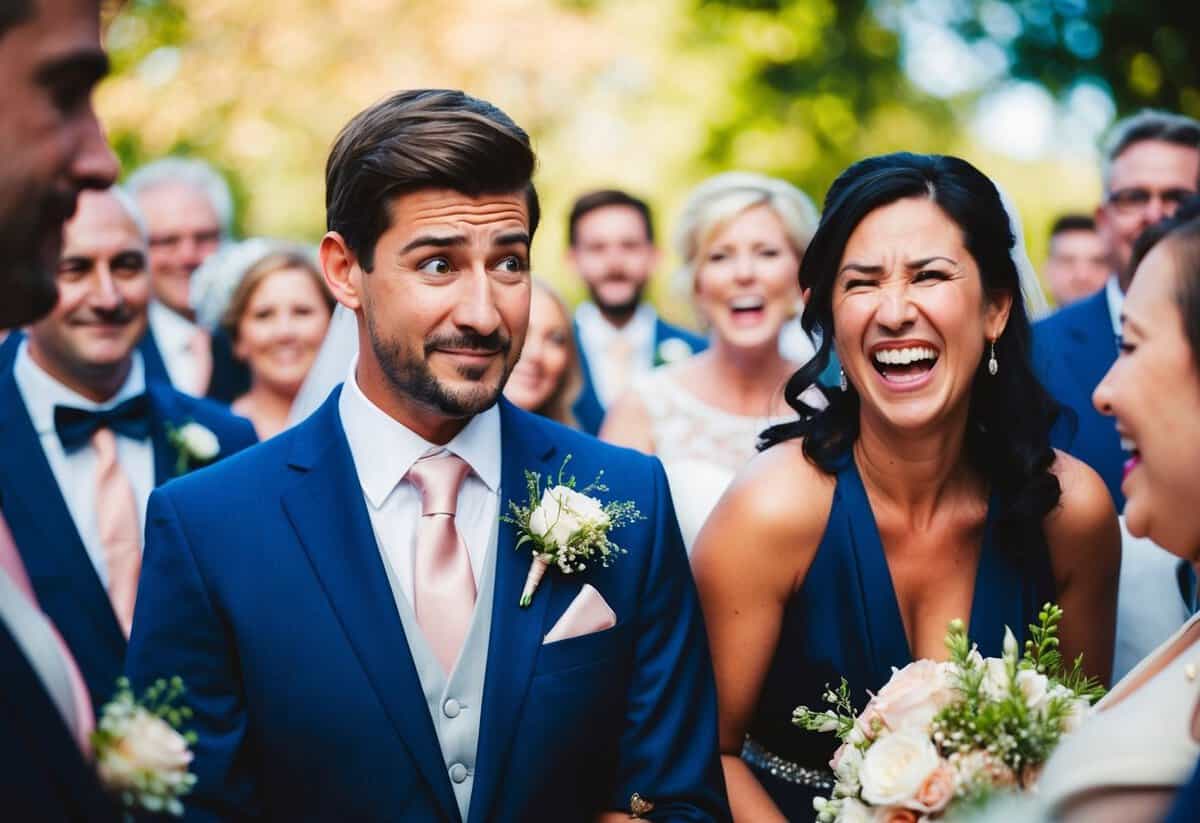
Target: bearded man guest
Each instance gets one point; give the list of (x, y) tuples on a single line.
[(365, 548), (619, 336), (87, 436), (51, 148)]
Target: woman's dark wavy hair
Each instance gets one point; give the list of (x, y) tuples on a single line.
[(1010, 414)]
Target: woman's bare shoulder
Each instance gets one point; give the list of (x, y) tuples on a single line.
[(1083, 529)]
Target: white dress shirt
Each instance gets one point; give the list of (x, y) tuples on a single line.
[(385, 449), (76, 473), (173, 333), (1116, 302), (596, 335)]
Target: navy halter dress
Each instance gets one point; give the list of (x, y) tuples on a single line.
[(845, 622)]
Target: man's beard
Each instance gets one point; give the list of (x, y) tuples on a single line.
[(623, 309), (26, 263), (412, 377), (28, 288)]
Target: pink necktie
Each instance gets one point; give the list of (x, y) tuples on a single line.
[(10, 562), (620, 359), (443, 584), (200, 348), (117, 518)]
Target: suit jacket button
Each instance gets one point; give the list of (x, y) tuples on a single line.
[(451, 708), (458, 772)]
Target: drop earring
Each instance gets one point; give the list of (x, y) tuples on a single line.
[(993, 366), (842, 379)]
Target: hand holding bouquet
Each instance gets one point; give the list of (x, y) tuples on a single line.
[(939, 736)]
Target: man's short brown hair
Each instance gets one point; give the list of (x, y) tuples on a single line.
[(421, 139)]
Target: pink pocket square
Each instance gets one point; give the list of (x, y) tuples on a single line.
[(587, 614)]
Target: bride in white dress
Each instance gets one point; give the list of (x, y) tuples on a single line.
[(741, 237)]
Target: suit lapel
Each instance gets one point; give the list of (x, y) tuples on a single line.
[(152, 359), (516, 633), (46, 536), (588, 409), (164, 411), (1093, 345), (329, 515)]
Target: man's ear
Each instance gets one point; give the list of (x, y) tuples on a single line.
[(342, 272)]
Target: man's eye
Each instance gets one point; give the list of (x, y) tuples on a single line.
[(512, 264), (435, 265)]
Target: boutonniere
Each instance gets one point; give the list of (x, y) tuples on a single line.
[(672, 350), (194, 446), (141, 756), (567, 527)]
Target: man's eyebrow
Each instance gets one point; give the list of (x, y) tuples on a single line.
[(439, 242), (513, 238), (86, 67)]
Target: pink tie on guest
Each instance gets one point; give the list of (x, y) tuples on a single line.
[(199, 347), (117, 518), (443, 584), (10, 563)]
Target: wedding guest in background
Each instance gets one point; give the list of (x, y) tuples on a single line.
[(1151, 164), (741, 237), (612, 249), (51, 147), (188, 211), (925, 491), (1077, 264), (86, 437), (547, 378), (1142, 743), (277, 320)]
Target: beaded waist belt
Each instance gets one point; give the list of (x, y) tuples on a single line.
[(759, 758)]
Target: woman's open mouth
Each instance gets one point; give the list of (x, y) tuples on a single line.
[(904, 366)]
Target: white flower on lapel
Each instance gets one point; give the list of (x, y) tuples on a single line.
[(565, 527), (194, 445), (672, 350), (140, 754)]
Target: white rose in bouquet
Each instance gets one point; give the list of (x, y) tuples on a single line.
[(896, 766), (201, 443), (563, 513), (1035, 688), (846, 763), (144, 743)]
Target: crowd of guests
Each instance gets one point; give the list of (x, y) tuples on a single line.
[(866, 435)]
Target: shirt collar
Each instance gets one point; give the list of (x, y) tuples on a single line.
[(171, 329), (384, 449), (1116, 301), (596, 329), (42, 393)]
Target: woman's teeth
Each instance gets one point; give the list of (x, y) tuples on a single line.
[(903, 357), (748, 303)]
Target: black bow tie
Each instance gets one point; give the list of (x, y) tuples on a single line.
[(75, 427)]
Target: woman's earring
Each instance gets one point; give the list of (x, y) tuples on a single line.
[(993, 366), (842, 379)]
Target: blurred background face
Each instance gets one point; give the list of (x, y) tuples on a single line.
[(103, 291), (545, 357), (1147, 182), (911, 321), (1077, 265), (282, 328), (614, 256), (746, 279), (184, 230), (51, 145), (1159, 427)]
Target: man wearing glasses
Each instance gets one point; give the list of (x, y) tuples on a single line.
[(1151, 165)]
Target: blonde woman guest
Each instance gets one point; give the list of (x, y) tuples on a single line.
[(547, 379), (741, 237), (277, 320)]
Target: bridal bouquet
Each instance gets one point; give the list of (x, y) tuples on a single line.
[(945, 736)]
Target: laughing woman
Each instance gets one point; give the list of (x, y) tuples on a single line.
[(927, 490)]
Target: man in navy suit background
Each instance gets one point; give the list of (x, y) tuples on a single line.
[(352, 641), (1151, 165), (75, 397), (612, 249)]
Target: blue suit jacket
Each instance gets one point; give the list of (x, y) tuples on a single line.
[(1187, 803), (1072, 351), (587, 409), (63, 577), (263, 587)]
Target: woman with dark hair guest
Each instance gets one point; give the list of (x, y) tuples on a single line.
[(925, 491), (547, 379), (277, 320), (1128, 758)]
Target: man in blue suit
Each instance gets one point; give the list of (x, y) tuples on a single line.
[(618, 335), (1151, 165), (343, 600), (87, 437)]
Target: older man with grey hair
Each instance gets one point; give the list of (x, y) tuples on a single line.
[(189, 213)]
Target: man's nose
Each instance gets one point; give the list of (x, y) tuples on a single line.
[(94, 165)]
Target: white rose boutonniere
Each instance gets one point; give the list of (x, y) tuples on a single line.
[(140, 754), (565, 527), (672, 350), (194, 446)]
